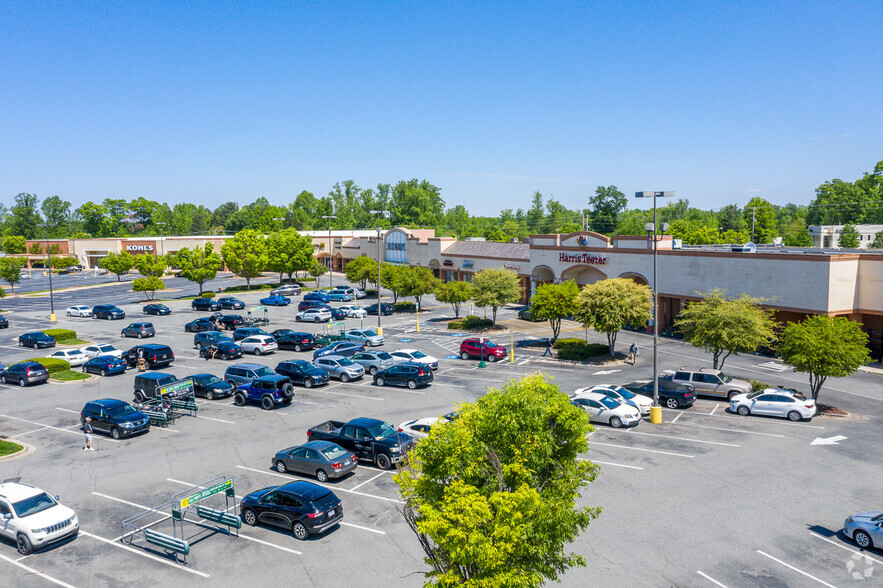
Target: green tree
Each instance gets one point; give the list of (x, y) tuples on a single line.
[(877, 243), (362, 269), (148, 285), (416, 203), (246, 254), (150, 266), (57, 213), (199, 265), (35, 248), (25, 216), (417, 282), (766, 225), (553, 302), (730, 218), (317, 270), (10, 270), (495, 287), (848, 237), (726, 327), (391, 279), (491, 509), (606, 206), (117, 263), (454, 293), (288, 252), (608, 305), (14, 244), (824, 347)]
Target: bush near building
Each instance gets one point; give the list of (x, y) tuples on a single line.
[(208, 294)]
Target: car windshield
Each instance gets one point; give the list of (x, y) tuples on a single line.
[(609, 402), (418, 354), (121, 411), (345, 361), (264, 371), (333, 453), (490, 343), (726, 378), (754, 395), (209, 380), (304, 365), (33, 505), (106, 348), (625, 393), (381, 431), (383, 356), (369, 333)]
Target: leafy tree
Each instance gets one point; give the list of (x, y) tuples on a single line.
[(148, 285), (362, 269), (317, 270), (117, 263), (288, 252), (730, 218), (93, 219), (57, 213), (417, 282), (13, 244), (454, 293), (150, 266), (553, 302), (848, 237), (796, 236), (224, 212), (416, 203), (25, 217), (199, 265), (723, 327), (62, 260), (35, 248), (824, 347), (765, 224), (877, 243), (10, 270), (495, 287), (246, 254), (610, 304), (838, 202), (391, 279), (490, 509), (606, 205)]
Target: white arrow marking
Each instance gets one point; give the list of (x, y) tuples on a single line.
[(835, 440), (605, 372)]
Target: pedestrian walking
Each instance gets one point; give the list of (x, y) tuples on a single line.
[(548, 350), (87, 429), (633, 353)]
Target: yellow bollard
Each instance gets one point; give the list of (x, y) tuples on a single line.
[(418, 318), (52, 317), (380, 331), (655, 414)]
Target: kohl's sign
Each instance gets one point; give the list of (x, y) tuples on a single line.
[(139, 248), (582, 258)]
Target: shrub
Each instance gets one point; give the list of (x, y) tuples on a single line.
[(2, 292), (52, 364), (471, 323), (404, 306), (208, 294), (757, 385), (61, 334), (568, 342), (371, 293), (583, 352)]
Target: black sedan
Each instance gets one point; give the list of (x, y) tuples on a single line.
[(222, 350), (242, 333), (411, 375), (37, 340), (4, 322), (209, 386), (302, 507), (230, 321), (671, 394), (199, 325), (296, 341), (302, 373), (157, 309), (386, 309), (231, 303), (105, 365), (322, 459), (205, 304)]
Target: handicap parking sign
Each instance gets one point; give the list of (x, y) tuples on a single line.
[(452, 357), (405, 340)]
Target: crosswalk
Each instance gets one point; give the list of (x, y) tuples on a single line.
[(774, 366)]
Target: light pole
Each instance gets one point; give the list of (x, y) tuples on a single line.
[(379, 304), (330, 217), (161, 224), (656, 409), (49, 263)]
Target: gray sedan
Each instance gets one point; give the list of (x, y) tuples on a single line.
[(374, 361), (365, 337), (322, 459), (340, 367)]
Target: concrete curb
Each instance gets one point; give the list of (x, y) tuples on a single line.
[(872, 370), (89, 379), (27, 450)]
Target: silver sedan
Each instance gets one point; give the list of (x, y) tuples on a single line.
[(865, 528), (365, 337)]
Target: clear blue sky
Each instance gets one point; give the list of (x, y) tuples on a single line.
[(215, 101)]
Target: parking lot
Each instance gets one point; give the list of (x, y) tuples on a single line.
[(707, 498)]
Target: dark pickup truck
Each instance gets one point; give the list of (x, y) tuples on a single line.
[(370, 439)]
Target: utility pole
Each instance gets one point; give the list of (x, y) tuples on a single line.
[(379, 303), (753, 219)]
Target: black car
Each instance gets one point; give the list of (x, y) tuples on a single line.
[(209, 386), (148, 385), (104, 365), (303, 507), (108, 311), (209, 337), (24, 373), (155, 355), (231, 303), (240, 334), (205, 304), (305, 304), (295, 340), (37, 340), (302, 373), (223, 350), (116, 417), (157, 309), (199, 325), (230, 321), (4, 322), (671, 394), (139, 330), (411, 375), (387, 309)]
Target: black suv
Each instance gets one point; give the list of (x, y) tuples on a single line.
[(386, 309), (116, 417), (24, 373), (108, 311), (205, 304), (146, 385), (303, 507), (230, 321), (302, 373), (240, 334), (201, 340), (199, 325), (155, 355), (671, 394), (37, 340), (210, 386), (404, 374), (231, 303), (295, 340)]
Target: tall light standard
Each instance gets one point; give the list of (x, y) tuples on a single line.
[(161, 224), (330, 217), (656, 409), (379, 304), (49, 263)]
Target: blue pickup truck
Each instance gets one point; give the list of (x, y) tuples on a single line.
[(269, 391), (370, 439)]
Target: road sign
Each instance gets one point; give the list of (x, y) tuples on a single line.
[(203, 494), (183, 388)]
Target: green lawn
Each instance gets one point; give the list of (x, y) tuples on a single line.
[(69, 376), (8, 448), (72, 342)]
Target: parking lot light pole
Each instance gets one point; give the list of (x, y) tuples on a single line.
[(49, 263), (656, 409), (379, 304), (330, 217)]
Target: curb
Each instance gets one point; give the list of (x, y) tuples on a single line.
[(89, 379), (871, 370), (26, 450)]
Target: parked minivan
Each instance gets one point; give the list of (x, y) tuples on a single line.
[(244, 373)]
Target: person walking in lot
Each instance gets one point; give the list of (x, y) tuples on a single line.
[(633, 353), (548, 350), (87, 429)]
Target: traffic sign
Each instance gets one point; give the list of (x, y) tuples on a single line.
[(203, 494)]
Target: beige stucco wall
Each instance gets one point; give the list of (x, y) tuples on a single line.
[(869, 295)]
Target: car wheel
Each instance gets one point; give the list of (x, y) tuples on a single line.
[(21, 382), (84, 370), (280, 466), (239, 400), (321, 476), (140, 335), (344, 378), (794, 416), (615, 422), (379, 381), (103, 372), (115, 433), (298, 348), (318, 320), (743, 410), (372, 370), (287, 391), (139, 396), (249, 518), (492, 358), (21, 343), (671, 403), (732, 394), (383, 461), (297, 319), (3, 379), (299, 531), (24, 544), (412, 384), (308, 383), (267, 403), (257, 351), (464, 355), (209, 395), (861, 538)]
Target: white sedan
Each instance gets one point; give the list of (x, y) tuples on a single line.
[(366, 337), (79, 311), (353, 311), (104, 349), (639, 401), (603, 409), (74, 357), (775, 402), (415, 356), (313, 315), (418, 428)]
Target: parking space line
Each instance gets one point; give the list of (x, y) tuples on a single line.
[(368, 480), (714, 409), (67, 410), (710, 579), (378, 531), (785, 423), (199, 416), (352, 395), (29, 432), (31, 570), (686, 439), (323, 485), (6, 416), (746, 431), (799, 571), (610, 463), (679, 415), (177, 566), (643, 449), (860, 552)]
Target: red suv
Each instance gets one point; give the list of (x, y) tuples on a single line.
[(484, 349)]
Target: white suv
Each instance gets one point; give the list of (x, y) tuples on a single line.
[(32, 518), (258, 344)]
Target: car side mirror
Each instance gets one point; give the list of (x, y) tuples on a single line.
[(57, 499), (7, 515)]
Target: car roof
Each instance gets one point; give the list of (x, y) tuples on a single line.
[(15, 491), (304, 489), (333, 356), (365, 422), (319, 445), (154, 376), (109, 402), (405, 350), (424, 421), (151, 346), (249, 366)]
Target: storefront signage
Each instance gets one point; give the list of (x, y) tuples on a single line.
[(582, 241), (510, 266), (467, 263), (139, 247), (582, 258), (395, 246), (449, 262)]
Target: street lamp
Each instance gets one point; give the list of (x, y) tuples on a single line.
[(656, 409), (161, 224), (330, 217), (379, 304), (49, 263)]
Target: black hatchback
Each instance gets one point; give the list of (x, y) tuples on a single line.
[(386, 309), (240, 334), (199, 325), (302, 373), (157, 309), (210, 386), (205, 304), (411, 375), (302, 507), (231, 303), (37, 340), (671, 394), (295, 340)]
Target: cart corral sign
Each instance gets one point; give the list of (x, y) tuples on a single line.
[(183, 388), (337, 324), (224, 486)]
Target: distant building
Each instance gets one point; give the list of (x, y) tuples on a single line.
[(828, 236)]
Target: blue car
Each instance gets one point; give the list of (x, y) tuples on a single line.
[(105, 365), (276, 300), (338, 314), (118, 418), (344, 348), (320, 295), (340, 297)]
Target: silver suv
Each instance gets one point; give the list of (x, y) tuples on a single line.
[(712, 382), (32, 518), (286, 290), (340, 367)]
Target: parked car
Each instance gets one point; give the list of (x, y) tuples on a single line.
[(258, 344), (411, 375), (778, 402), (276, 300), (74, 357), (603, 409), (296, 340), (208, 337), (243, 332), (314, 315), (620, 394), (210, 386), (387, 309), (319, 295), (419, 428), (95, 350), (370, 439), (199, 325), (483, 349), (223, 350), (353, 311), (302, 507), (341, 368), (374, 361), (286, 290), (105, 365), (108, 311), (270, 391), (231, 303), (32, 519), (366, 337), (81, 310), (302, 373), (244, 373), (230, 322), (155, 355), (4, 322), (307, 304), (205, 304), (344, 289), (322, 459), (340, 296), (36, 339), (415, 356), (671, 394), (117, 418), (139, 330), (338, 314), (344, 348), (148, 385), (157, 309), (359, 293), (526, 314), (711, 382), (865, 528), (24, 373)]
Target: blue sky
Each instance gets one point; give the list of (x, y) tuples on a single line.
[(209, 102)]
